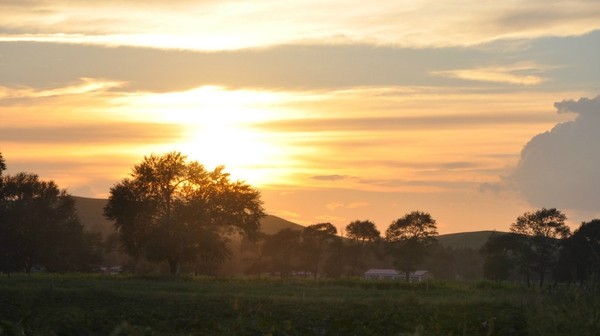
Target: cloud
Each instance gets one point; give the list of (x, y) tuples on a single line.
[(82, 86), (331, 178), (219, 25), (108, 133), (558, 62), (559, 168), (585, 106), (514, 74), (352, 205), (399, 123)]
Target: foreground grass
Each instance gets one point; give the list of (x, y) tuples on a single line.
[(95, 305)]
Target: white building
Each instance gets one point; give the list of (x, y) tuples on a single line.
[(392, 274), (379, 273)]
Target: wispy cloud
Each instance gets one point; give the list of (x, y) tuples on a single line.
[(331, 178), (220, 25), (516, 74), (352, 205), (82, 86)]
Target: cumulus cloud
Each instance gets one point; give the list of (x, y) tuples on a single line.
[(560, 168)]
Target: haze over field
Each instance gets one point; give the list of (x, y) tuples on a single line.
[(472, 111)]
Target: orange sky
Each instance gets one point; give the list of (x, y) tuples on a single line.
[(335, 112)]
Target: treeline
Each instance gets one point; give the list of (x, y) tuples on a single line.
[(540, 245), (171, 211), (320, 251)]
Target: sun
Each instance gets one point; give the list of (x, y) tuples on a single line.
[(220, 129), (221, 126), (246, 154)]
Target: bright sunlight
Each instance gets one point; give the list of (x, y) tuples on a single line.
[(218, 124)]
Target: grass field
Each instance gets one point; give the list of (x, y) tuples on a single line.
[(46, 304)]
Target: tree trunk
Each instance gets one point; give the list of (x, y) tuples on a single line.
[(173, 266), (407, 276)]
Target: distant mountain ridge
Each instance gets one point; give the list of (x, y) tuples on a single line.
[(90, 211)]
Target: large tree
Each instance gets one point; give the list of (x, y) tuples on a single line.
[(580, 256), (360, 233), (316, 241), (169, 205), (39, 228), (282, 252), (502, 252), (542, 230), (410, 238)]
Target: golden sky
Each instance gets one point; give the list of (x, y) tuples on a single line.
[(335, 110)]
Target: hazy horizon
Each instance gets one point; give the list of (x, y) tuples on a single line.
[(335, 111)]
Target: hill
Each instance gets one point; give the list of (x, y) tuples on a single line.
[(473, 240), (90, 213)]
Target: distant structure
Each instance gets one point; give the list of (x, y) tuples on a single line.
[(113, 270), (392, 274)]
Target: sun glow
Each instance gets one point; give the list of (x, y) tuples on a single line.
[(219, 131)]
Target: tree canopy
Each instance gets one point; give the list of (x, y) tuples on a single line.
[(360, 232), (169, 205), (409, 239), (580, 256), (316, 241), (2, 164), (542, 231), (39, 228)]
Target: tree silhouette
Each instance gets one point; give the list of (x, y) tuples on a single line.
[(542, 231), (580, 256), (253, 254), (361, 232), (282, 251), (2, 164), (316, 240), (502, 253), (168, 206), (39, 228), (409, 239)]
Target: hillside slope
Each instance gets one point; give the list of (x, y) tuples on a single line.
[(474, 240), (90, 213)]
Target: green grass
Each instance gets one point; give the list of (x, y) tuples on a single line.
[(93, 305)]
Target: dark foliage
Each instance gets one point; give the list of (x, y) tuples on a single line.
[(39, 228), (169, 207), (410, 238)]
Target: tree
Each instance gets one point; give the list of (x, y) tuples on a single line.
[(501, 254), (409, 239), (168, 206), (253, 251), (542, 231), (39, 228), (580, 256), (2, 164), (316, 240), (361, 232), (282, 251)]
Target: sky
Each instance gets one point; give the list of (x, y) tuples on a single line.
[(473, 111)]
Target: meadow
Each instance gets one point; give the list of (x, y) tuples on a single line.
[(51, 304)]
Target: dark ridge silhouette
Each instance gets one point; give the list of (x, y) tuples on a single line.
[(90, 213)]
